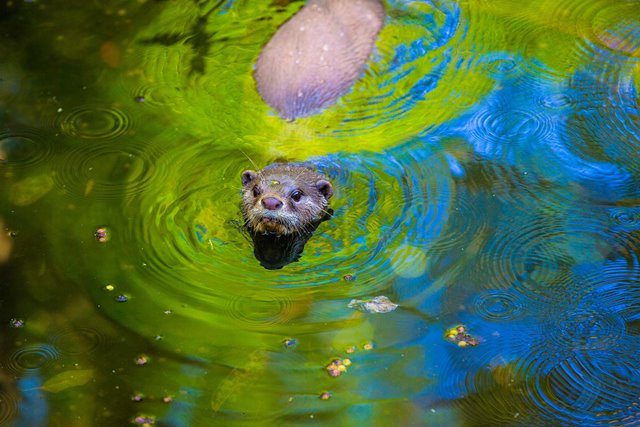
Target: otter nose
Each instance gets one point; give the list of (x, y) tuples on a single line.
[(271, 203)]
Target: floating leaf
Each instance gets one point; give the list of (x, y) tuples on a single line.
[(380, 304), (67, 379)]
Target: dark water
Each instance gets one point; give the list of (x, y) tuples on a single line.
[(486, 172)]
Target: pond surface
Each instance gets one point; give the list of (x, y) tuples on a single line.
[(486, 177)]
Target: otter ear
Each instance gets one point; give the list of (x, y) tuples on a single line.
[(325, 188), (248, 176)]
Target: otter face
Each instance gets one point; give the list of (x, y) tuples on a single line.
[(284, 199)]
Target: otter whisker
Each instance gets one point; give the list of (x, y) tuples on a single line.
[(248, 158)]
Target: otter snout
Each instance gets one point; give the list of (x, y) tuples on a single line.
[(272, 203)]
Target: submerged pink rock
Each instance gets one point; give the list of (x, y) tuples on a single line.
[(317, 55)]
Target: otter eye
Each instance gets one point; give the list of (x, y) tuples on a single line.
[(256, 191), (296, 195)]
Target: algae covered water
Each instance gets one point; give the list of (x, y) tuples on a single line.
[(481, 267)]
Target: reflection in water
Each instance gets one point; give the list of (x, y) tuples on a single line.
[(276, 251), (485, 174)]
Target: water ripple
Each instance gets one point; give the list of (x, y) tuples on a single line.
[(24, 148), (496, 128), (557, 101), (405, 74), (584, 328), (627, 218), (499, 305), (76, 341), (527, 254), (9, 402), (31, 358), (262, 312), (601, 390), (614, 31), (95, 122), (106, 171)]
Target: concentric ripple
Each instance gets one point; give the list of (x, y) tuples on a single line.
[(497, 128), (583, 329), (557, 101), (600, 390), (529, 254), (499, 305), (627, 218), (263, 312), (78, 341), (615, 28), (9, 401), (31, 358), (24, 148), (106, 171), (95, 122)]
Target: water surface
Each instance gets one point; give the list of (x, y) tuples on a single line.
[(486, 175)]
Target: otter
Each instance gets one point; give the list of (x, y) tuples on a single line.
[(285, 199), (317, 55)]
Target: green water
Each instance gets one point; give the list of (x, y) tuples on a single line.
[(485, 172)]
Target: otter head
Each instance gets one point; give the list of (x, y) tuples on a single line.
[(284, 199)]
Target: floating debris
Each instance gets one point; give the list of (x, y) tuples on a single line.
[(16, 323), (325, 396), (350, 349), (368, 346), (109, 287), (337, 367), (144, 420), (459, 335), (379, 304), (139, 98), (122, 298), (102, 234), (349, 277), (290, 343), (167, 399), (138, 397), (141, 360)]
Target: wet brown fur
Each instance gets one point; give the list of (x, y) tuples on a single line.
[(281, 181)]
